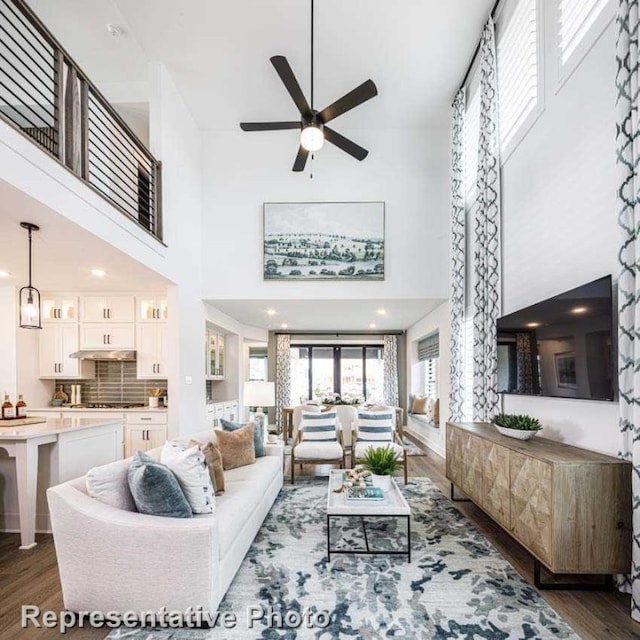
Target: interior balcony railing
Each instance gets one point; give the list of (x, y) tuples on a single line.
[(46, 96)]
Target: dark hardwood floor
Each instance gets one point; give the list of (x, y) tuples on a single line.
[(31, 577)]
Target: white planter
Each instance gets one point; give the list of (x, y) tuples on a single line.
[(518, 434), (382, 482)]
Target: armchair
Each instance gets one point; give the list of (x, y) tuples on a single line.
[(318, 440)]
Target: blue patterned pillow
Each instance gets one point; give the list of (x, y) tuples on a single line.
[(258, 437), (155, 489)]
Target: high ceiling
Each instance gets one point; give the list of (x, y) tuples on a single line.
[(416, 51)]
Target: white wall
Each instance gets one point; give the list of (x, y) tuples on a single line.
[(438, 320), (559, 212), (407, 169)]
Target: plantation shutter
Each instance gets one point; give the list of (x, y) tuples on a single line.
[(576, 17), (429, 347), (517, 62)]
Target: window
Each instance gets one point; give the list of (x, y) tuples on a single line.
[(519, 67), (257, 363), (579, 24), (429, 359), (351, 371)]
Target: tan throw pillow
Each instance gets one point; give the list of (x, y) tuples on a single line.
[(419, 405), (237, 447), (213, 458), (436, 412)]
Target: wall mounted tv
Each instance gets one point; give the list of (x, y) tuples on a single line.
[(561, 347)]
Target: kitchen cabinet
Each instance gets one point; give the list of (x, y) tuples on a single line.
[(107, 309), (59, 308), (107, 336), (55, 343), (151, 346), (144, 431), (215, 356), (151, 309), (222, 411)]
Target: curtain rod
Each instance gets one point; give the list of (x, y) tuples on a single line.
[(338, 334), (477, 50)]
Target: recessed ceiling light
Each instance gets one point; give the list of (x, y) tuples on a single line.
[(98, 273), (271, 312), (532, 325), (579, 310), (381, 312), (4, 274), (284, 325), (372, 325)]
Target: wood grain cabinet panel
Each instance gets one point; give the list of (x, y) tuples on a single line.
[(571, 508)]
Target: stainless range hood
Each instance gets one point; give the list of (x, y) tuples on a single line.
[(97, 354)]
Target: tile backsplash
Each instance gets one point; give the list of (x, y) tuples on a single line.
[(116, 383)]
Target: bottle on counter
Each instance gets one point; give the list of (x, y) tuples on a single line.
[(8, 410), (21, 407)]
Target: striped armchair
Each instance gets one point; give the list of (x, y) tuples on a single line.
[(318, 441), (377, 429)]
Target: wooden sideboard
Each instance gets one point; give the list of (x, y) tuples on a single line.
[(570, 507)]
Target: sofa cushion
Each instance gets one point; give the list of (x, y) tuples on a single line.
[(420, 405), (237, 447), (190, 467), (155, 489), (361, 447), (309, 450), (318, 427), (258, 435), (108, 483), (213, 458)]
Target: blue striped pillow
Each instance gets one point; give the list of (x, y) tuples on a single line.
[(318, 427), (375, 426)]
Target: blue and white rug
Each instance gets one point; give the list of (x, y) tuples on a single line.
[(457, 585)]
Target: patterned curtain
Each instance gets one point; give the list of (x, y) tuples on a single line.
[(456, 371), (524, 367), (390, 370), (283, 375), (487, 238), (628, 163)]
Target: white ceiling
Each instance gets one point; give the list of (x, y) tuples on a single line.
[(328, 315), (416, 51), (63, 253)]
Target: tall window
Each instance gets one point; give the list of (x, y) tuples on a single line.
[(519, 70), (353, 372), (429, 359)]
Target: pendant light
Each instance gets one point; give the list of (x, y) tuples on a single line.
[(30, 296)]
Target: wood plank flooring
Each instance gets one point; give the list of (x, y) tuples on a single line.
[(31, 577)]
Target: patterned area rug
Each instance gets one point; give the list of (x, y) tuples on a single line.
[(457, 585)]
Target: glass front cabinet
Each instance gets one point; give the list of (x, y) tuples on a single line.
[(215, 355)]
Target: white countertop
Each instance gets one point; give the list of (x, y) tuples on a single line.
[(54, 426), (96, 410)]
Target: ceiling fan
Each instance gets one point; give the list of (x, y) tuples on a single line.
[(313, 124)]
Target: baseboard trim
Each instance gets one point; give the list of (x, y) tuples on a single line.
[(10, 523)]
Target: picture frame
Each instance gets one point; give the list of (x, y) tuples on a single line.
[(331, 241), (565, 366)]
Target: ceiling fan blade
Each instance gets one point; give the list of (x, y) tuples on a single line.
[(345, 144), (364, 92), (269, 126), (301, 159), (286, 75)]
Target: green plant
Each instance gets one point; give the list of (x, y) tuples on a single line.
[(382, 461), (520, 422)]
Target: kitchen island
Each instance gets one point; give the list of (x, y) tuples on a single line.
[(78, 444)]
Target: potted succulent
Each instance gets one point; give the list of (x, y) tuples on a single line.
[(517, 426), (383, 462)]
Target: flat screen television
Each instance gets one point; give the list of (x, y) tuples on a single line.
[(561, 347)]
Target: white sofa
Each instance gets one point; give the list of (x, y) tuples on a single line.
[(115, 560)]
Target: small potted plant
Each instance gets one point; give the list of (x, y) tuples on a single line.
[(383, 462), (517, 426)]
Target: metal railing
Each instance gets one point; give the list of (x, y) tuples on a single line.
[(45, 95)]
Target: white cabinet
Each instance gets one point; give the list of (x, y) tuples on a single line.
[(107, 336), (151, 309), (215, 355), (55, 343), (144, 431), (107, 309), (151, 345), (59, 308), (222, 411)]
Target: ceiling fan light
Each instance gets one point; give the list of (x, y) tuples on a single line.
[(312, 138)]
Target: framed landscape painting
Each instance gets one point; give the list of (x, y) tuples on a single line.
[(323, 241)]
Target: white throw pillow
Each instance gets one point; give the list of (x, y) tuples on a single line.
[(190, 468), (109, 484)]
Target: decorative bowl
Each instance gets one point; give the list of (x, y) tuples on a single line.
[(57, 402), (518, 434)]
